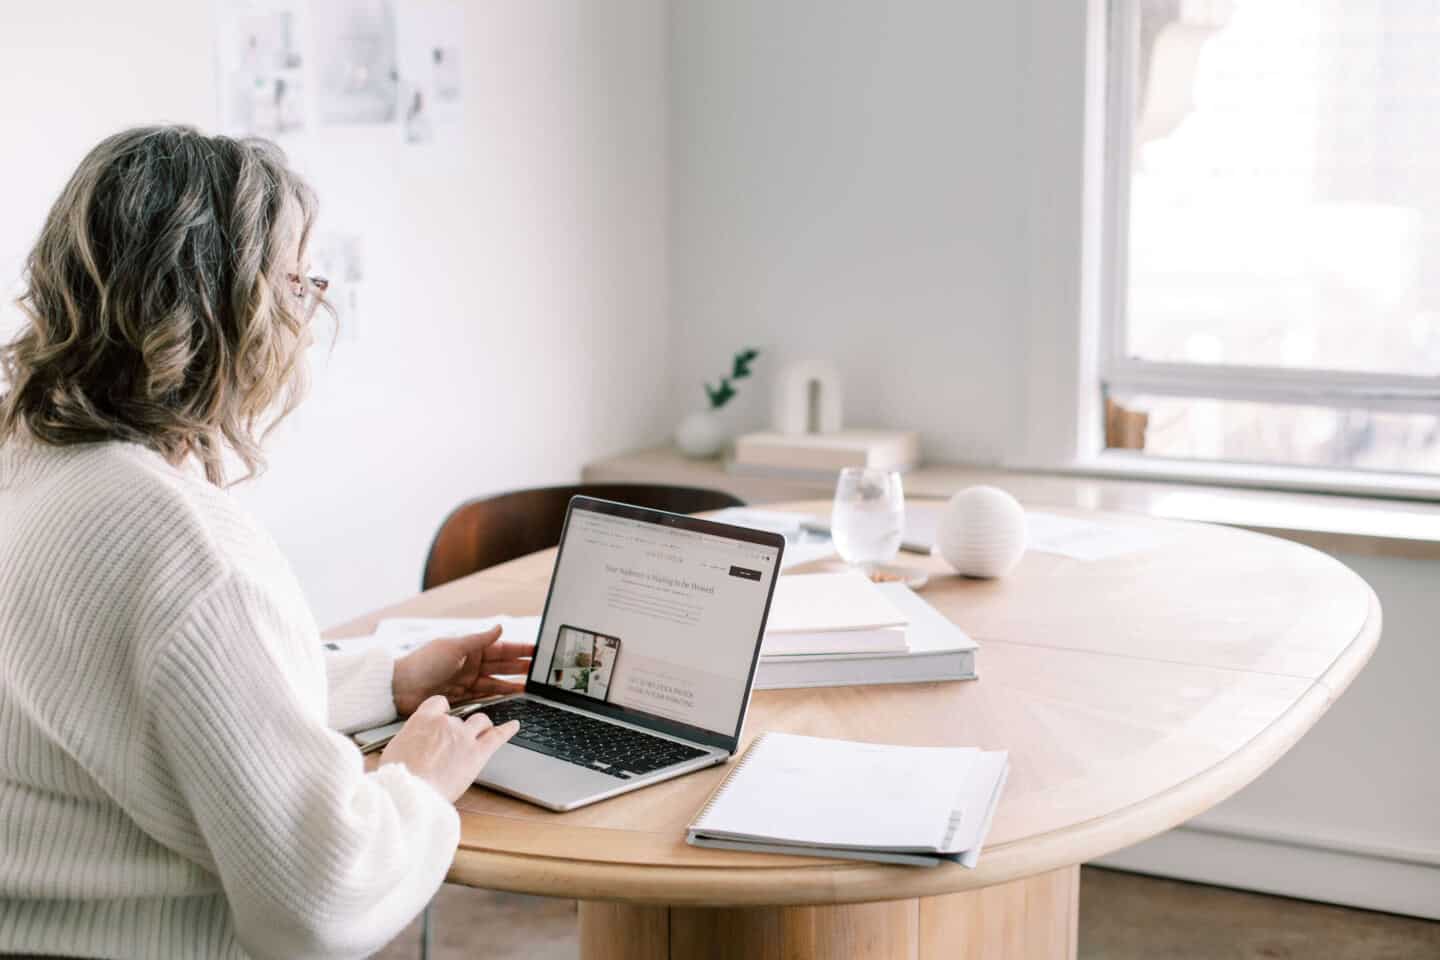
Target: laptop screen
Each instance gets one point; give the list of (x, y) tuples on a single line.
[(651, 617)]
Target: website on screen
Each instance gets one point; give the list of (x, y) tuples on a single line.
[(654, 618)]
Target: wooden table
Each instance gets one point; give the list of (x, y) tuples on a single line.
[(1132, 693)]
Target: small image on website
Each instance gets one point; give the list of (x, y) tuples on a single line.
[(583, 662)]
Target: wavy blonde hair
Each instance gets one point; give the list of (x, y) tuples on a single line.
[(161, 301)]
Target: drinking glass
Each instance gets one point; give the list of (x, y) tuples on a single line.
[(868, 521)]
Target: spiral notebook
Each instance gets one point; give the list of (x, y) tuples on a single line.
[(819, 797)]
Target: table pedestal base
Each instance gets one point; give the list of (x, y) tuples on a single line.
[(1032, 918)]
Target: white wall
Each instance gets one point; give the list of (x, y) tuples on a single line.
[(899, 186), (842, 181), (513, 321)]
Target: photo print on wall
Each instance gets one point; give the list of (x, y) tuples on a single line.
[(432, 107), (262, 69), (302, 66), (356, 72)]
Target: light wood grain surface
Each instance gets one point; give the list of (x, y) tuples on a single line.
[(1132, 693)]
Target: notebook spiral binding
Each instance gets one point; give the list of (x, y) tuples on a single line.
[(725, 784)]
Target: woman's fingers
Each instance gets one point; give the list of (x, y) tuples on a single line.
[(469, 670), (477, 723), (496, 737), (484, 687), (441, 749), (508, 650), (500, 668), (475, 644), (433, 704)]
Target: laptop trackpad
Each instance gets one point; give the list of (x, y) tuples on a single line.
[(529, 774)]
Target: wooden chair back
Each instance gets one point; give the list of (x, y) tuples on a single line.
[(491, 530)]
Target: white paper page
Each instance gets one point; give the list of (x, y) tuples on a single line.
[(408, 633), (973, 804), (1084, 539), (801, 546), (400, 635), (971, 857), (773, 521), (1047, 533), (922, 521), (823, 602), (837, 793), (807, 551)]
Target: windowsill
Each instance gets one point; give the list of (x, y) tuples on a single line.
[(1247, 476), (1346, 523)]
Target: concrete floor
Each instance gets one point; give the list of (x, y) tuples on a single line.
[(1123, 916)]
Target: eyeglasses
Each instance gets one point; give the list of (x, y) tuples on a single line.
[(309, 291)]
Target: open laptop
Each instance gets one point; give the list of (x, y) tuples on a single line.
[(645, 658)]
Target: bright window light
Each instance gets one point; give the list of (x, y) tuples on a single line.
[(1275, 197)]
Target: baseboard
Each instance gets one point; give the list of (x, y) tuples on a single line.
[(1244, 858)]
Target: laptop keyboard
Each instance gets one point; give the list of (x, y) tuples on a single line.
[(586, 742)]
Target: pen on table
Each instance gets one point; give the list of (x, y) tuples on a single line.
[(909, 546)]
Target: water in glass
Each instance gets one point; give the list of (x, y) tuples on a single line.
[(868, 521)]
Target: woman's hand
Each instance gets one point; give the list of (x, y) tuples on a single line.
[(446, 752), (460, 668)]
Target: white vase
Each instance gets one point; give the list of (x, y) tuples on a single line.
[(700, 435)]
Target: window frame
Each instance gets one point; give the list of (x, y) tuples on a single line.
[(1119, 373)]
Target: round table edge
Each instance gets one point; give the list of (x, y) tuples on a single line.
[(860, 882)]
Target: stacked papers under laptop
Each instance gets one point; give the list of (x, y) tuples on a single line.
[(855, 801), (842, 629)]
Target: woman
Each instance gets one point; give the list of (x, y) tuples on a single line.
[(171, 780)]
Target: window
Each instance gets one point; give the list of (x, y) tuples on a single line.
[(1272, 288)]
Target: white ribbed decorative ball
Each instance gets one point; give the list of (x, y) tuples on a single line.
[(982, 532)]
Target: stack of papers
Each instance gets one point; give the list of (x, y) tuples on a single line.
[(935, 649), (856, 801), (832, 613)]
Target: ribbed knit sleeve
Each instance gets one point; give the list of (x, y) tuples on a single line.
[(362, 690), (317, 858)]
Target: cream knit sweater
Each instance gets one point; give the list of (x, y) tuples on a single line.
[(171, 782)]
